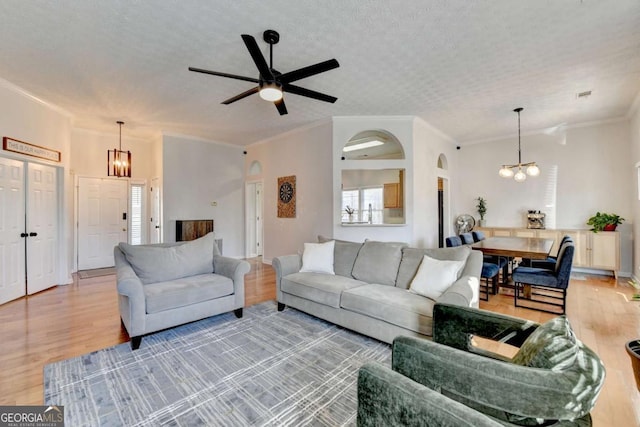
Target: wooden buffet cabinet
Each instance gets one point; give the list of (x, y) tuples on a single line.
[(600, 251)]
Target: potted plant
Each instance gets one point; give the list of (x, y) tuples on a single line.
[(482, 209), (349, 210), (633, 348), (604, 222)]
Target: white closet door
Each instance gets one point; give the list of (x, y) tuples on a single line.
[(42, 227), (101, 226), (12, 212)]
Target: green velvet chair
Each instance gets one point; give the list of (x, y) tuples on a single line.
[(553, 380)]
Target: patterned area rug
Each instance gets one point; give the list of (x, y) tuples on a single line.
[(269, 368)]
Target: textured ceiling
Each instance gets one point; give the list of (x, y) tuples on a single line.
[(460, 65)]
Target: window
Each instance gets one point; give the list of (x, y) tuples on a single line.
[(136, 226), (367, 205)]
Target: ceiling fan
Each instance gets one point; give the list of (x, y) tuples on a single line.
[(272, 83)]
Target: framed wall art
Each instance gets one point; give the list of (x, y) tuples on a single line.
[(287, 197)]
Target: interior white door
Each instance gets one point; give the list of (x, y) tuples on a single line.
[(12, 230), (253, 208), (42, 227), (102, 222), (259, 220), (154, 223)]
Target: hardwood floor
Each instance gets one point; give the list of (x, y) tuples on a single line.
[(68, 321)]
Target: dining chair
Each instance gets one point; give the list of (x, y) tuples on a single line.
[(467, 238), (550, 262), (501, 262), (453, 241), (478, 236), (490, 270), (543, 286)]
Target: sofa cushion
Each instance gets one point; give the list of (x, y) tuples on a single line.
[(552, 345), (321, 288), (186, 291), (163, 263), (318, 257), (378, 262), (391, 304), (435, 276), (412, 257), (344, 255)]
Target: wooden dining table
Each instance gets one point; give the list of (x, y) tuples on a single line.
[(512, 247)]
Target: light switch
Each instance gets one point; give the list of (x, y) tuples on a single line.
[(214, 203)]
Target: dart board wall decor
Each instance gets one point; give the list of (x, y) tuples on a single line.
[(287, 197)]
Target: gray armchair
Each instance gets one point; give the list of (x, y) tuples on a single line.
[(554, 379), (161, 286)]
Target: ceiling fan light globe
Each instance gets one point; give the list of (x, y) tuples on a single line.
[(271, 93), (533, 170), (505, 172), (520, 176)]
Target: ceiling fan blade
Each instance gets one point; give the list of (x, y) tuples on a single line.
[(257, 57), (311, 70), (282, 109), (242, 95), (231, 76), (308, 93)]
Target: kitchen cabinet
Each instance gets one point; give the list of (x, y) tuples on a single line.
[(392, 195)]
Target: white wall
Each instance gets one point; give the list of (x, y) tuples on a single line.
[(26, 118), (197, 173), (592, 175), (344, 128), (429, 144), (305, 153), (583, 171)]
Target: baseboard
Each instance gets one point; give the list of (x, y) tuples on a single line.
[(600, 272)]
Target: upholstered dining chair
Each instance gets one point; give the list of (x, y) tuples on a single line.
[(550, 262), (467, 238), (543, 286), (553, 380), (500, 261), (490, 269), (453, 241), (478, 236)]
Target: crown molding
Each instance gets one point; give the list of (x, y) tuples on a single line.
[(199, 139), (22, 92), (294, 131), (546, 130), (635, 106), (437, 131)]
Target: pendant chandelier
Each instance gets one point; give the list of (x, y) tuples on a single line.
[(118, 161), (531, 168)]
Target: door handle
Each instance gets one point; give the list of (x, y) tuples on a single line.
[(157, 226), (24, 235), (32, 234)]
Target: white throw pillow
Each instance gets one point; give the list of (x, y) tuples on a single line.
[(435, 276), (318, 257)]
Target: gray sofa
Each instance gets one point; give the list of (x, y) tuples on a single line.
[(369, 291), (161, 286)]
